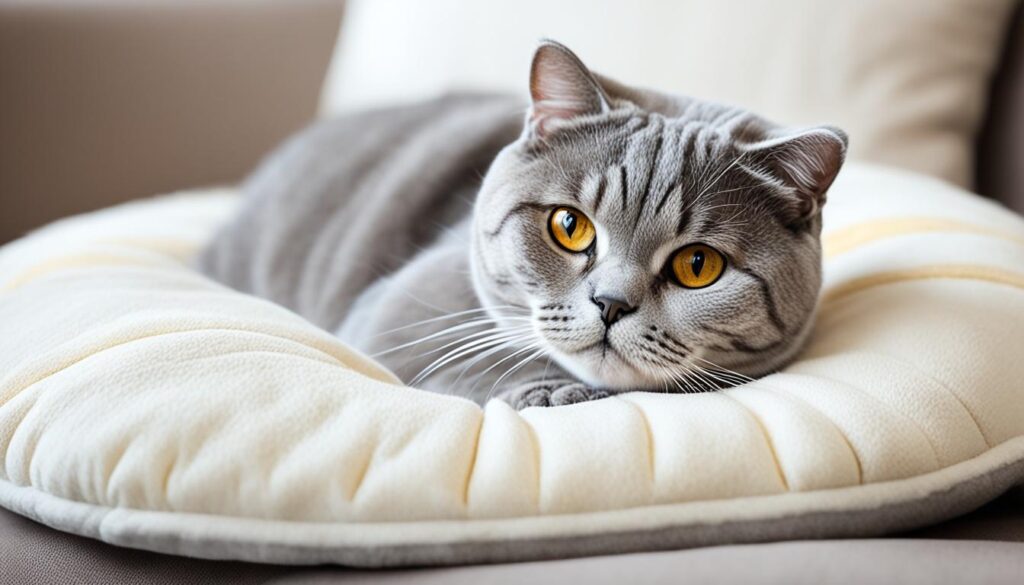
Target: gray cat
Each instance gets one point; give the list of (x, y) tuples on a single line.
[(621, 239)]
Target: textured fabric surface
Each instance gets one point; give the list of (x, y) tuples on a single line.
[(842, 562), (145, 405), (860, 511), (34, 554), (907, 80)]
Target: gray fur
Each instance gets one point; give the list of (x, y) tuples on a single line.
[(424, 228)]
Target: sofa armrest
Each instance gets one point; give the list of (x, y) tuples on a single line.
[(102, 101)]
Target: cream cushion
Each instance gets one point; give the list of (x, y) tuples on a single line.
[(148, 406), (907, 80)]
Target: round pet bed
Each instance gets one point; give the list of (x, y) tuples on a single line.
[(147, 406)]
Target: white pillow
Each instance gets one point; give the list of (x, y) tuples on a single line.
[(907, 80)]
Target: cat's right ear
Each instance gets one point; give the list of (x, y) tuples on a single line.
[(561, 88), (805, 163)]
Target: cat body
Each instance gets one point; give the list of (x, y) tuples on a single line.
[(362, 225), (618, 240)]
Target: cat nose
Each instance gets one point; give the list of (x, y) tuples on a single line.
[(612, 309)]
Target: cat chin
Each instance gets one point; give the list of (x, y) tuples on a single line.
[(606, 370)]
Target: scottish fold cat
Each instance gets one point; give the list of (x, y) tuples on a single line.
[(606, 239)]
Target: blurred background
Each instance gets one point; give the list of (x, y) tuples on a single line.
[(103, 101)]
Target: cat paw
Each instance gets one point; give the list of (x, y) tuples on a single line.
[(549, 393)]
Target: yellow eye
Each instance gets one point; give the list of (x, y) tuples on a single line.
[(571, 229), (697, 266)]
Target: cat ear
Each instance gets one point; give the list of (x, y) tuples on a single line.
[(562, 88), (805, 163)]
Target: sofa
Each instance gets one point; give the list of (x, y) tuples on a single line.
[(984, 546)]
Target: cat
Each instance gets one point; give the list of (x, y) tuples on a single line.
[(617, 239)]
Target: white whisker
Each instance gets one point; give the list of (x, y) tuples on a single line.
[(520, 351), (482, 356), (444, 333), (464, 350), (516, 367), (471, 347), (725, 370), (454, 315)]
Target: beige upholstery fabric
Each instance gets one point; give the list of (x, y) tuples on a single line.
[(104, 101), (906, 79)]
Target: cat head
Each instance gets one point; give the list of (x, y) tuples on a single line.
[(656, 241)]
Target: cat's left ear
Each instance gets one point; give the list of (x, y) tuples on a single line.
[(561, 88), (805, 162)]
